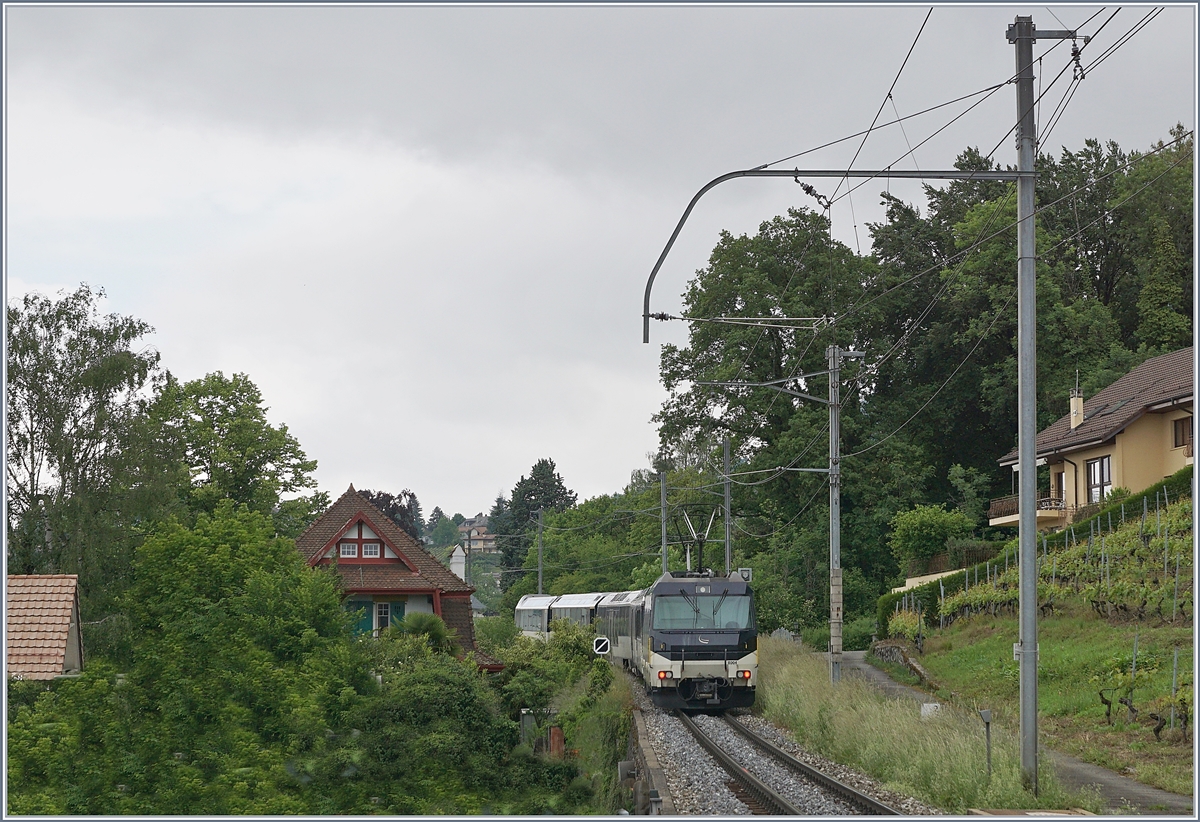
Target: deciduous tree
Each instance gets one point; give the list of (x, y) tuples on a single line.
[(220, 425)]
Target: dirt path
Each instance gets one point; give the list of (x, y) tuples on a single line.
[(1120, 793)]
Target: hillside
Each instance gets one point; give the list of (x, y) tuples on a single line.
[(1106, 594)]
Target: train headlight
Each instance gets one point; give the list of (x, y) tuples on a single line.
[(665, 675), (743, 674)]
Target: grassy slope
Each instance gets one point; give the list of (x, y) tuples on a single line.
[(941, 760), (1081, 653), (1087, 645)]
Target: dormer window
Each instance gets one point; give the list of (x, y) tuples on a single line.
[(370, 549), (349, 549)]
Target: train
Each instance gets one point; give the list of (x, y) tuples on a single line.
[(690, 637)]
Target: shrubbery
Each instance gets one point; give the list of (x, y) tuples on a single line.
[(249, 695)]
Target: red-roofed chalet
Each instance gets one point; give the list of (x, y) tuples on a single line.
[(385, 573)]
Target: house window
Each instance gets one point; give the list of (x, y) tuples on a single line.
[(349, 549), (1099, 478), (383, 615), (370, 549), (1183, 431)]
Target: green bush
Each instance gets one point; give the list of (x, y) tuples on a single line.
[(856, 634), (816, 637), (922, 532)]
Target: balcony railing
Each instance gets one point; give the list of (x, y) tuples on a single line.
[(1008, 506)]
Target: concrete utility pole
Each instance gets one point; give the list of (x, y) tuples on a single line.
[(539, 550), (662, 484), (834, 356), (1021, 34), (728, 523)]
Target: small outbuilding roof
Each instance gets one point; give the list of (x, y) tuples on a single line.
[(41, 624)]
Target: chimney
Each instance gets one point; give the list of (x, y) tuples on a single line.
[(1076, 407), (458, 562)]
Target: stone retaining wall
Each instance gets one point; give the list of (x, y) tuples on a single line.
[(651, 781), (891, 650)]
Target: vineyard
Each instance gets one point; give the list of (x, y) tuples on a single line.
[(1140, 571), (1131, 561), (1116, 598)]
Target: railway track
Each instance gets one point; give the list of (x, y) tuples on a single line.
[(855, 797), (775, 793)]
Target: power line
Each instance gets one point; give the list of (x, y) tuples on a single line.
[(891, 88), (1125, 38), (978, 342), (1004, 308), (969, 249), (779, 530)]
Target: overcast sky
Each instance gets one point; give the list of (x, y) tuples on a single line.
[(425, 232)]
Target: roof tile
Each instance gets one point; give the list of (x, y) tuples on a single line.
[(1160, 379), (38, 623)]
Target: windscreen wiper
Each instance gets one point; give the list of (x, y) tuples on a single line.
[(717, 609)]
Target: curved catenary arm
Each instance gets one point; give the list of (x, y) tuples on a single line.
[(797, 174)]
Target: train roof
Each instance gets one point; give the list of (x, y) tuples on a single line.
[(674, 582), (578, 600), (536, 600), (621, 597)]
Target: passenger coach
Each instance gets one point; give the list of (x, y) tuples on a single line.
[(690, 636)]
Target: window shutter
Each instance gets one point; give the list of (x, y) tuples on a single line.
[(363, 609), (397, 612)]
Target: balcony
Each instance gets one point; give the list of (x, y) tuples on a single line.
[(1051, 510)]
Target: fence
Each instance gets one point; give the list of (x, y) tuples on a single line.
[(953, 560)]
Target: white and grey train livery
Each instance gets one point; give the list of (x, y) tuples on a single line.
[(690, 636)]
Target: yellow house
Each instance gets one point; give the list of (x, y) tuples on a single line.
[(1132, 434)]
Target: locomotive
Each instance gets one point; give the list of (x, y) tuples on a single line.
[(690, 636)]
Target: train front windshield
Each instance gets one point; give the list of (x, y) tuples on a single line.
[(719, 612)]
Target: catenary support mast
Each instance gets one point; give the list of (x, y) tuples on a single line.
[(1022, 34)]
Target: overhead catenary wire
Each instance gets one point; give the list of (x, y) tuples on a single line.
[(969, 249), (953, 374), (986, 90), (991, 90), (891, 88), (991, 325), (780, 529), (800, 359), (1125, 38), (964, 252), (1003, 308), (962, 255), (580, 566)]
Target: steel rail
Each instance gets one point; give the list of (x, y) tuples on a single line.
[(855, 797), (759, 790)]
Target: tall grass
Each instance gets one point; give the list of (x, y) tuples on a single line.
[(597, 730), (942, 760)]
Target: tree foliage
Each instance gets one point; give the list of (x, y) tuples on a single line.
[(403, 509), (512, 518), (251, 696), (220, 425), (922, 532), (932, 405), (87, 473)]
